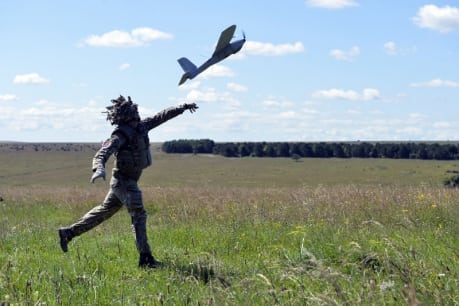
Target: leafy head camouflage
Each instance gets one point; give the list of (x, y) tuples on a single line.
[(122, 111)]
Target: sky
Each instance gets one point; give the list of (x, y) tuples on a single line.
[(310, 70)]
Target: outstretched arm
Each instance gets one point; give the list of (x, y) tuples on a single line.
[(168, 114)]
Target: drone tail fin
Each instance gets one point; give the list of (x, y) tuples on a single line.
[(189, 68), (185, 77), (187, 65)]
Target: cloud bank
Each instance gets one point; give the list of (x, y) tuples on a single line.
[(442, 19), (366, 95), (118, 39), (269, 49), (436, 83), (341, 55), (30, 78), (8, 97), (331, 4)]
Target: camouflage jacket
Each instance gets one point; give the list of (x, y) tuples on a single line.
[(131, 146)]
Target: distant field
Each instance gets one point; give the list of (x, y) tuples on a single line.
[(73, 168), (250, 231)]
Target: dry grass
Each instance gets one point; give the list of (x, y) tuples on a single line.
[(342, 204), (270, 236)]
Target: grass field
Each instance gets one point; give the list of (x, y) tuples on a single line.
[(234, 232)]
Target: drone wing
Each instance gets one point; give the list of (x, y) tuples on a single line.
[(225, 38)]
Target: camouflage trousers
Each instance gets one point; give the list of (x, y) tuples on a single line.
[(123, 191)]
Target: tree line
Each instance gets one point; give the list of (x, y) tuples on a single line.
[(398, 150), (48, 147)]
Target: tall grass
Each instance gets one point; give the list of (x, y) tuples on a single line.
[(323, 245), (339, 239)]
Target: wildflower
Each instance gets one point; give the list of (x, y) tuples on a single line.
[(355, 244), (387, 285)]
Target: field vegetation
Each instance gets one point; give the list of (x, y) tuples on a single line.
[(234, 231)]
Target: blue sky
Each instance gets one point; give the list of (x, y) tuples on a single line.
[(311, 70)]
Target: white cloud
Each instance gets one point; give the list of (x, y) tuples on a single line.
[(208, 95), (45, 115), (124, 66), (30, 78), (269, 49), (436, 83), (216, 71), (211, 95), (236, 121), (441, 19), (341, 55), (273, 102), (443, 125), (8, 97), (331, 4), (370, 94), (336, 94), (415, 117), (237, 87), (190, 85), (390, 48), (148, 34), (366, 95), (308, 111), (288, 115), (136, 38), (43, 102)]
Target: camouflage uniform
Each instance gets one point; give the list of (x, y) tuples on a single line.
[(131, 148)]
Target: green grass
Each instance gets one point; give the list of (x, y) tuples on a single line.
[(74, 169), (235, 231)]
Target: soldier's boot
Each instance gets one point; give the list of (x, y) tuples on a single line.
[(65, 235), (147, 260)]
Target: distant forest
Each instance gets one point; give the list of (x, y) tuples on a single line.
[(48, 147), (296, 150)]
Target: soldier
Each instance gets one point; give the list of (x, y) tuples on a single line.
[(129, 143)]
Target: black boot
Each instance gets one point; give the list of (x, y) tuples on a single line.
[(65, 235), (147, 260)]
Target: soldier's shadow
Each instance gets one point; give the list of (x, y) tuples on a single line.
[(201, 271)]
